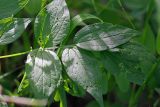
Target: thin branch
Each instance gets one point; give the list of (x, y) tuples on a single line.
[(14, 55), (23, 101), (126, 14)]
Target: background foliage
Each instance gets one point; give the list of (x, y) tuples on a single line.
[(129, 72)]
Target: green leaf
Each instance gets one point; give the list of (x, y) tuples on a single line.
[(33, 7), (115, 16), (79, 19), (158, 43), (73, 88), (43, 69), (132, 59), (158, 11), (83, 69), (92, 104), (158, 20), (103, 36), (148, 38), (52, 24), (122, 81), (98, 5), (11, 7), (11, 30)]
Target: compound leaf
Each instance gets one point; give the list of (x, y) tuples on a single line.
[(103, 36), (11, 29), (43, 69)]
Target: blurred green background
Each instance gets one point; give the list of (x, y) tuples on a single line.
[(142, 15)]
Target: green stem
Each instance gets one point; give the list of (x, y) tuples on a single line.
[(135, 99), (149, 11), (26, 41), (95, 7), (64, 42), (43, 3), (132, 95), (146, 22), (22, 82), (126, 14), (63, 99), (14, 55)]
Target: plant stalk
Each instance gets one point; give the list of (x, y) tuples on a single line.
[(126, 14), (63, 99), (44, 2), (14, 55), (23, 101)]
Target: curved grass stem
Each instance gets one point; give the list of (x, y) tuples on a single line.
[(126, 14), (14, 55)]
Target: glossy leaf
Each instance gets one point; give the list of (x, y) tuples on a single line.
[(103, 36), (43, 69), (11, 7), (52, 24), (11, 30), (83, 69)]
